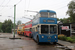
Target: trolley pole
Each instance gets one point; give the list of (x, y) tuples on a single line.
[(14, 20)]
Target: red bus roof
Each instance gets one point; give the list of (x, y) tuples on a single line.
[(28, 22)]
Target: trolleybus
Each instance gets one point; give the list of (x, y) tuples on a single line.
[(28, 27), (20, 29), (44, 27)]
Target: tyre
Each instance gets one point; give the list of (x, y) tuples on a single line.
[(38, 40), (55, 43)]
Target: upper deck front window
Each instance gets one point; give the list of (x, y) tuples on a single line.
[(44, 14), (52, 15), (48, 14)]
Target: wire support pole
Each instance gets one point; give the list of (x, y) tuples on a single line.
[(14, 20)]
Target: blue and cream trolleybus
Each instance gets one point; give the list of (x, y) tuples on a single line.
[(44, 27)]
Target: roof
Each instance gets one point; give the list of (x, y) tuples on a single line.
[(47, 11), (28, 21), (21, 24), (66, 23)]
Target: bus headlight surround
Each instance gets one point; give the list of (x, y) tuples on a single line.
[(42, 36), (55, 36)]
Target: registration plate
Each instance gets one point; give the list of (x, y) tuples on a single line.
[(48, 40)]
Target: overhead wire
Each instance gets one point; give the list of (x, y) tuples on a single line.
[(18, 2), (12, 6), (29, 4), (2, 2), (51, 5), (61, 7), (25, 8), (28, 8), (15, 4), (5, 5)]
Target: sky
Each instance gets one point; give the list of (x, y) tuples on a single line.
[(7, 8)]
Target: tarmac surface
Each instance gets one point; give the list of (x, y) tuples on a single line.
[(25, 43)]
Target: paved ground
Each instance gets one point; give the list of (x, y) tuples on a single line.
[(25, 43), (67, 44)]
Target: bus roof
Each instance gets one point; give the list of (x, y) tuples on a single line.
[(28, 21), (47, 11), (21, 24)]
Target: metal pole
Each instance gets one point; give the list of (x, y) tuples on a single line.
[(11, 27), (14, 20)]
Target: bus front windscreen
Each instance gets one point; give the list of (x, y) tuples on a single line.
[(53, 29), (44, 29)]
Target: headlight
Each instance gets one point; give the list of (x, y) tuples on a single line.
[(42, 36), (55, 36)]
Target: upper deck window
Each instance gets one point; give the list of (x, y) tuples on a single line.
[(48, 14), (44, 14), (52, 15)]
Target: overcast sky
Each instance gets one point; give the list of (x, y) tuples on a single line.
[(7, 8)]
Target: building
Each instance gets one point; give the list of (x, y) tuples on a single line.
[(67, 29)]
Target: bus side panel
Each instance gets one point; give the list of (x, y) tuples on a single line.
[(34, 34), (35, 22), (28, 32)]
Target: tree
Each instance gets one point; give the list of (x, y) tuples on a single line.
[(65, 20), (7, 26), (19, 22), (58, 19), (0, 26), (71, 9)]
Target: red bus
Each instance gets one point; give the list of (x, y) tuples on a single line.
[(28, 27)]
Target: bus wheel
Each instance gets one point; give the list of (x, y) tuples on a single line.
[(38, 40), (55, 43)]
